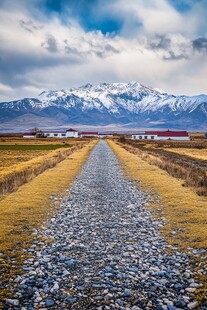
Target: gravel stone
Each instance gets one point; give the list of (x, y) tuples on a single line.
[(49, 303), (104, 249), (193, 305), (12, 302)]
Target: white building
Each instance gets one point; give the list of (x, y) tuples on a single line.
[(29, 135), (70, 133), (55, 134), (162, 135), (89, 134), (105, 135)]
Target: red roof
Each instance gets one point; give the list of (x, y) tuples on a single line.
[(29, 134), (71, 129), (52, 131), (89, 133), (168, 133)]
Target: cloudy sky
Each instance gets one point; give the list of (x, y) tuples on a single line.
[(58, 44)]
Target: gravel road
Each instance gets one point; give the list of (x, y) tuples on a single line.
[(105, 251)]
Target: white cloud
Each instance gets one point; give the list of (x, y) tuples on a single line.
[(146, 17), (46, 54)]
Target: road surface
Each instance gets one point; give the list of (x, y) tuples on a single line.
[(106, 250)]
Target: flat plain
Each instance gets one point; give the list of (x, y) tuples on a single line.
[(29, 205), (102, 248), (174, 195), (170, 198)]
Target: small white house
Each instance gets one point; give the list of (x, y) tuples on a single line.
[(70, 133), (55, 134), (89, 134), (105, 135), (144, 136), (161, 135), (29, 135)]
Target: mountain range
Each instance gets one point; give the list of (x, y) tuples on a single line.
[(131, 105)]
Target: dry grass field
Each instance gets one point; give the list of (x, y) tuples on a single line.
[(23, 159), (166, 144), (10, 157), (172, 192), (44, 141), (184, 160), (197, 135), (190, 152), (184, 210), (30, 205), (15, 150)]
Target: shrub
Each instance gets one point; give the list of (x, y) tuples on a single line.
[(122, 139)]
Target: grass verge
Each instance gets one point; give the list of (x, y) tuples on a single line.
[(192, 171), (193, 153), (184, 210), (29, 207), (31, 147), (13, 177)]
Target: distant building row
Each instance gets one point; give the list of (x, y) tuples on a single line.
[(147, 135), (70, 133), (161, 135)]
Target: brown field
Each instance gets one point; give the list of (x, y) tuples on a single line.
[(179, 198), (193, 153), (184, 210), (197, 135), (23, 159), (184, 160), (45, 141), (10, 158), (156, 144)]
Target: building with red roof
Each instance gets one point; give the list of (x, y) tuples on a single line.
[(162, 135), (70, 133), (89, 134), (29, 135)]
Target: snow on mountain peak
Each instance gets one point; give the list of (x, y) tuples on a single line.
[(133, 97), (113, 103)]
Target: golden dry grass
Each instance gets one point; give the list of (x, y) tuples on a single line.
[(194, 153), (191, 170), (44, 141), (181, 206), (165, 144), (30, 206), (13, 176), (10, 158), (185, 212), (27, 149), (197, 135)]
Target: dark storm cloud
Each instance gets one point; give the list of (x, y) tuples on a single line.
[(177, 48), (15, 66), (99, 49), (29, 25), (106, 51), (162, 42), (172, 56), (200, 44), (71, 50), (172, 48), (50, 44)]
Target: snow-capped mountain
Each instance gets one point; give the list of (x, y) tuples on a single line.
[(129, 104)]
